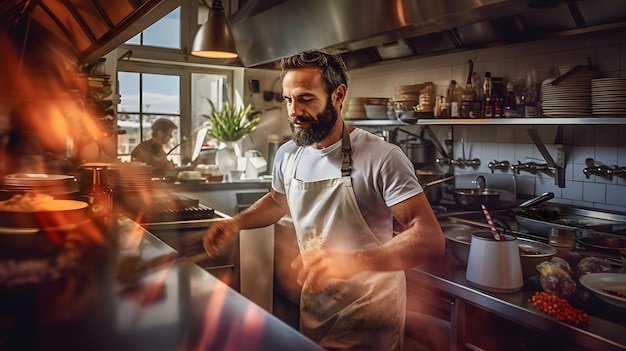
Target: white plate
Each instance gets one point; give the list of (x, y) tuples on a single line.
[(36, 178), (598, 283)]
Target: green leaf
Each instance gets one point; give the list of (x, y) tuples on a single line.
[(231, 124)]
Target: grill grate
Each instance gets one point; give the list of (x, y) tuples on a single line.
[(156, 215)]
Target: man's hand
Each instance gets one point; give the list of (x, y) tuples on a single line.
[(318, 265), (219, 233)]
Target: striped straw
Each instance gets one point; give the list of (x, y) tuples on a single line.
[(492, 226)]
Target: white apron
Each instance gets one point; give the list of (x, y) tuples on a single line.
[(367, 311)]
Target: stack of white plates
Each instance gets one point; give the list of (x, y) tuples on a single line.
[(608, 96), (570, 98), (50, 184)]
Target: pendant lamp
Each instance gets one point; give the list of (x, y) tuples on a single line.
[(214, 38)]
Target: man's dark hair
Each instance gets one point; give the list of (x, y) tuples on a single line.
[(334, 71), (163, 124)]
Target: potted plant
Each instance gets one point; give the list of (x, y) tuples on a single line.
[(229, 125)]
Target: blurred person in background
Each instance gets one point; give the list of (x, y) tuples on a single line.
[(151, 151), (342, 187)]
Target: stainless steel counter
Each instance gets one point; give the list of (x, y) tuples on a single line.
[(445, 277), (175, 306)]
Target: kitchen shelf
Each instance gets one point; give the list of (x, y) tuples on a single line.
[(375, 122), (523, 121)]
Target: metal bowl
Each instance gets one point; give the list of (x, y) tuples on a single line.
[(541, 228), (458, 243), (532, 253), (473, 198)]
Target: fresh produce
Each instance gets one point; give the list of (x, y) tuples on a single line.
[(572, 257), (540, 214), (558, 308), (555, 280), (593, 265), (563, 264)]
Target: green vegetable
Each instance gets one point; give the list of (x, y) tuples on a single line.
[(539, 214), (231, 124)]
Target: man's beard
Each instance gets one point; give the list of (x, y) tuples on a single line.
[(319, 129)]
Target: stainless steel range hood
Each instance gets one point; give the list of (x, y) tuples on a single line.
[(366, 32)]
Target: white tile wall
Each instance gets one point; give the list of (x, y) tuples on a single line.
[(605, 144)]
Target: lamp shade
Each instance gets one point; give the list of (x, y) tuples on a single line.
[(214, 38)]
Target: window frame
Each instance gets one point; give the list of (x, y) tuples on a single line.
[(185, 75)]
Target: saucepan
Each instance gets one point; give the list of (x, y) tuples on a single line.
[(472, 198), (431, 183)]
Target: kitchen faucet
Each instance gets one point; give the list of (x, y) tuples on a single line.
[(601, 170), (480, 182), (616, 170), (498, 165), (531, 167), (460, 162)]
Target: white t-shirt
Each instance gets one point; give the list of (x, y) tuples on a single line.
[(382, 175)]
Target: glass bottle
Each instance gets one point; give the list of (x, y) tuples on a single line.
[(488, 101), (510, 101), (454, 98), (101, 194)]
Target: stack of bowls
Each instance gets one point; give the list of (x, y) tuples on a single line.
[(418, 98), (355, 108), (376, 108)]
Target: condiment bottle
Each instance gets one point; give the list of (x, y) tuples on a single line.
[(497, 107), (101, 194), (488, 101), (510, 101), (454, 97)]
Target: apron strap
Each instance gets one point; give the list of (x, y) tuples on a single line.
[(346, 150)]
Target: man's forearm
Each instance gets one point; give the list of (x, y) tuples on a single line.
[(264, 212), (404, 251)]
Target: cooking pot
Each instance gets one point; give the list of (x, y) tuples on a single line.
[(431, 183), (472, 198), (420, 153)]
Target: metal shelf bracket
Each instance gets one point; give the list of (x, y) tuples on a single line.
[(558, 165)]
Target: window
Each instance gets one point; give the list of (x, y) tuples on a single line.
[(157, 82), (164, 33), (145, 98), (152, 91)]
